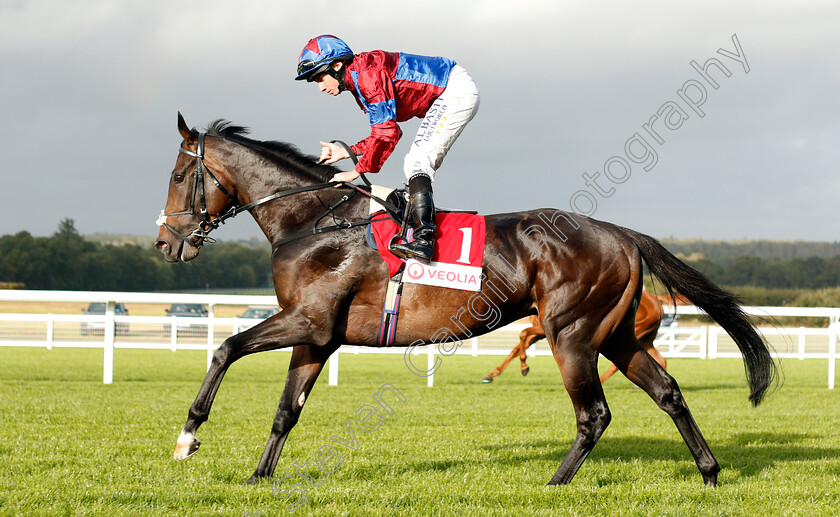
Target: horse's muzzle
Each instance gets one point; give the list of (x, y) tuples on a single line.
[(174, 248), (166, 250)]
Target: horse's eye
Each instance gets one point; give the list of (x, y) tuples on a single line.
[(178, 178)]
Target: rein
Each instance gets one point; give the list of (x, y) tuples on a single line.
[(209, 222)]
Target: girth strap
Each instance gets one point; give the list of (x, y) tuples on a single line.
[(391, 310)]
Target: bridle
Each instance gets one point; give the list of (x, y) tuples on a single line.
[(209, 222)]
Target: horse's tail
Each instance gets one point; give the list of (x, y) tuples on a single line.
[(723, 306)]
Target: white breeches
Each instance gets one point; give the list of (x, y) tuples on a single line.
[(442, 125)]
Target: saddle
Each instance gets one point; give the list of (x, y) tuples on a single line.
[(394, 203), (456, 262)]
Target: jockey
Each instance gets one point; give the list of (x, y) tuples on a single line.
[(393, 87)]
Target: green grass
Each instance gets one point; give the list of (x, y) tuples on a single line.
[(70, 445)]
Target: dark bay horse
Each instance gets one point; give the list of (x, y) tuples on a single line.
[(581, 276), (645, 327)]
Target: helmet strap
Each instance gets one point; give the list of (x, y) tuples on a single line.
[(338, 75)]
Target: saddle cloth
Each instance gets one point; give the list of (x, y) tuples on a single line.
[(456, 261)]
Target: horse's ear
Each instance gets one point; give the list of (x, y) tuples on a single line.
[(184, 129)]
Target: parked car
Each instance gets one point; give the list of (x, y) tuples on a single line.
[(669, 320), (259, 312), (98, 327), (187, 310), (256, 312)]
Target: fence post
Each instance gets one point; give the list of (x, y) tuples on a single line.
[(802, 343), (832, 354), (211, 334), (333, 367), (50, 330), (430, 380), (713, 342), (704, 340), (474, 346), (108, 366), (173, 333)]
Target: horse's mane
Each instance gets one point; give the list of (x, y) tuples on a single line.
[(284, 154)]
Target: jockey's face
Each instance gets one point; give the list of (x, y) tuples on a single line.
[(327, 83)]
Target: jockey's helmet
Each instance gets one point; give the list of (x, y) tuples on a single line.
[(319, 54)]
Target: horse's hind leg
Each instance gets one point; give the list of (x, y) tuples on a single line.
[(524, 369), (580, 377), (307, 363), (647, 344), (499, 369), (532, 338), (608, 373), (625, 352)]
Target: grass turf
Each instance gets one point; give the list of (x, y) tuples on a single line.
[(70, 445)]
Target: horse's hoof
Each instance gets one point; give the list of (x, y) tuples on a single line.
[(253, 480), (487, 379), (186, 446), (526, 371)]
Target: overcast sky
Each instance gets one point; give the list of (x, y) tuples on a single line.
[(90, 91)]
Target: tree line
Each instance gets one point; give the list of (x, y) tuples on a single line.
[(797, 273), (725, 252), (66, 261)]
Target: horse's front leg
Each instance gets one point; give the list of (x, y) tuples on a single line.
[(307, 363), (288, 328)]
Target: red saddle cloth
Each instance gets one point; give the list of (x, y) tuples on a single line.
[(459, 239)]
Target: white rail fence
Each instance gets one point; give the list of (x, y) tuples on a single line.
[(111, 331)]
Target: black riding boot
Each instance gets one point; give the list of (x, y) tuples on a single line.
[(423, 209)]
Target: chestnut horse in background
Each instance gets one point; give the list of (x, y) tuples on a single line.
[(648, 317), (582, 276)]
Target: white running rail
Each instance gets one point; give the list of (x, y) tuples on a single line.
[(112, 331)]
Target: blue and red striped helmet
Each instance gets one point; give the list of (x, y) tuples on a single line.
[(319, 54)]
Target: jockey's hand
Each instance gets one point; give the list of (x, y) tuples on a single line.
[(331, 153), (345, 177)]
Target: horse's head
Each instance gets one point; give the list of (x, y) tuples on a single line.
[(200, 190)]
